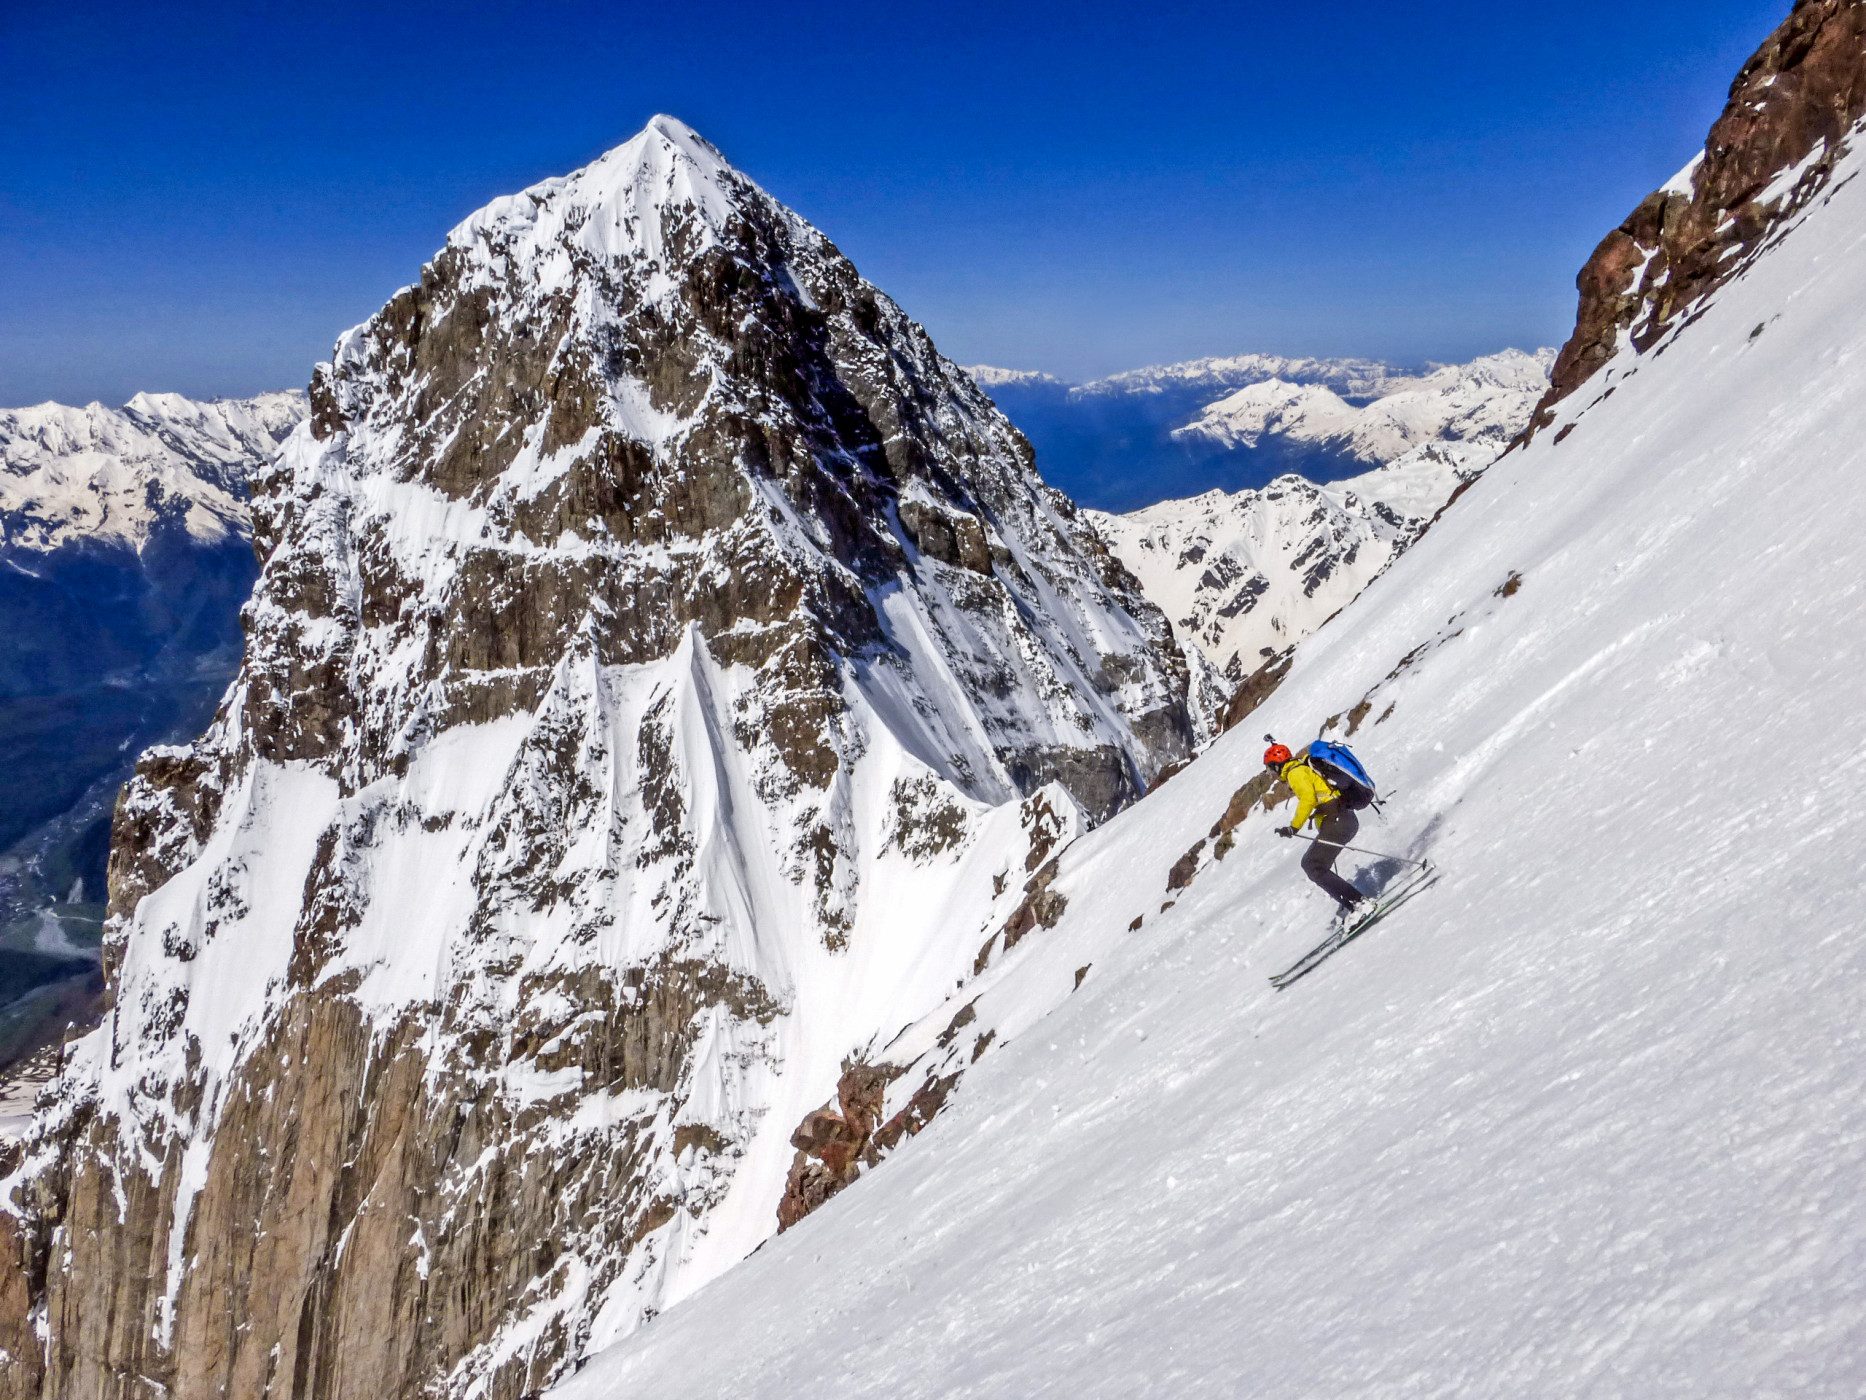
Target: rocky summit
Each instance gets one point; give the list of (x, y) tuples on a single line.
[(665, 671)]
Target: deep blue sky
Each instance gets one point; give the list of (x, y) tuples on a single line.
[(201, 197)]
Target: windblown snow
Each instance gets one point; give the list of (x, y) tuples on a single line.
[(1582, 1119)]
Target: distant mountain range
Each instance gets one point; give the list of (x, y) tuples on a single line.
[(1236, 423), (125, 555), (1243, 576)]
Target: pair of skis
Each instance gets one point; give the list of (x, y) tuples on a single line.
[(1416, 883)]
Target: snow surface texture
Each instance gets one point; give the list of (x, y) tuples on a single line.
[(1584, 1118), (681, 690), (1247, 574), (111, 475)]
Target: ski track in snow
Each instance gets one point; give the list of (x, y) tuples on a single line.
[(1585, 1119)]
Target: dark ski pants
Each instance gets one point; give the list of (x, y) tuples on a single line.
[(1335, 826)]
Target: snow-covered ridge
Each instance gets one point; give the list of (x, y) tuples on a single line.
[(991, 377), (1175, 431), (1581, 1119), (1485, 402), (111, 475), (1245, 575), (1216, 375), (610, 211)]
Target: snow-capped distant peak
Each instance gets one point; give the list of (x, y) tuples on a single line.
[(107, 476), (1486, 401), (1218, 375), (992, 377), (1274, 407), (1244, 575)]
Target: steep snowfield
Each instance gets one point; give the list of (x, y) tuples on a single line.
[(1485, 402), (109, 475), (1242, 575), (1585, 1118)]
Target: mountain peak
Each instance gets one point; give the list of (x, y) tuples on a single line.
[(674, 129), (646, 579), (665, 194)]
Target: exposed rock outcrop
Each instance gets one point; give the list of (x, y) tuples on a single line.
[(832, 1140), (1768, 156)]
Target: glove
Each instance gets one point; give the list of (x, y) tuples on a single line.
[(1286, 831)]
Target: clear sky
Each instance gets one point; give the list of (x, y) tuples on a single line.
[(201, 197)]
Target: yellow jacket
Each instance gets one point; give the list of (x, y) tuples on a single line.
[(1311, 790)]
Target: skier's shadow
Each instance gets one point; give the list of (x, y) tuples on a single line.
[(1384, 874), (1387, 871)]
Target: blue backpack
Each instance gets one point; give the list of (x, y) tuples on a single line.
[(1337, 763)]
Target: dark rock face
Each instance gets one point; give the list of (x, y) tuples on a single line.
[(1256, 688), (643, 592), (1769, 154)]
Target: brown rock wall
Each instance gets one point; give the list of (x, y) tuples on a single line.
[(362, 1229), (1800, 93)]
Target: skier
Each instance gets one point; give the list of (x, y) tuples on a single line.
[(1335, 823)]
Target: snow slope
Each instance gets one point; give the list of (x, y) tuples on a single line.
[(1582, 1120), (1245, 574)]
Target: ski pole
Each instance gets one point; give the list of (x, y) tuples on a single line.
[(1362, 850)]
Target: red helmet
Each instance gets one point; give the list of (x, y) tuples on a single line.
[(1277, 754)]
